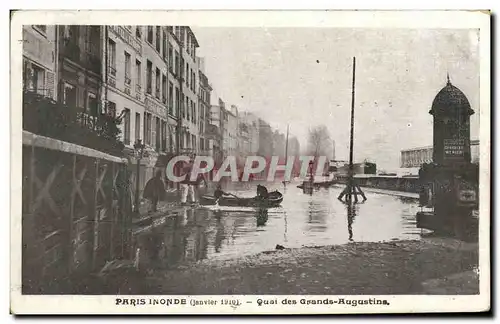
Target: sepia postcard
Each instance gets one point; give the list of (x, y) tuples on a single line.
[(250, 162)]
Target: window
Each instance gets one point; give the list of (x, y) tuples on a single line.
[(149, 77), (128, 67), (137, 126), (185, 109), (138, 75), (192, 80), (93, 40), (126, 127), (34, 78), (181, 68), (177, 102), (188, 44), (170, 98), (147, 128), (176, 63), (92, 105), (157, 83), (164, 135), (111, 107), (170, 57), (41, 28), (70, 95), (164, 46), (193, 141), (112, 57), (158, 38), (187, 73), (150, 34), (164, 89), (193, 111), (157, 134), (138, 32)]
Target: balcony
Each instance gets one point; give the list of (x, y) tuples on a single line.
[(46, 117)]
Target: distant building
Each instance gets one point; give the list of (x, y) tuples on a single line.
[(415, 157), (232, 131), (279, 144), (342, 168), (265, 139), (293, 146), (249, 132)]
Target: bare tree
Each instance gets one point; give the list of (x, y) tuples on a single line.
[(319, 141)]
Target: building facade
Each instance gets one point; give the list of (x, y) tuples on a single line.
[(414, 158), (265, 139), (249, 133), (40, 59), (232, 132), (80, 68), (204, 112), (279, 144)]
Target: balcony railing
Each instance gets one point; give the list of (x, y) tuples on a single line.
[(46, 117)]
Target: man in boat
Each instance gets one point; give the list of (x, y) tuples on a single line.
[(262, 192), (218, 193)]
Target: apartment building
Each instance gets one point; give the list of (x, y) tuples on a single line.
[(232, 131), (80, 67), (249, 133), (40, 59), (204, 94), (125, 79), (188, 69)]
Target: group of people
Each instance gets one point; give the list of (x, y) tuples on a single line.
[(155, 190)]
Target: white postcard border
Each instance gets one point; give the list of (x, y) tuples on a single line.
[(68, 304)]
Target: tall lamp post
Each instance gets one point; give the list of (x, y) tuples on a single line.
[(139, 152)]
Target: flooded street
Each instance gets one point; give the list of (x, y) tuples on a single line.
[(302, 220)]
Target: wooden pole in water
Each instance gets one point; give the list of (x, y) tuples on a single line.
[(351, 188), (286, 151)]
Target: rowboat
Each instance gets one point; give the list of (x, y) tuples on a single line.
[(275, 198)]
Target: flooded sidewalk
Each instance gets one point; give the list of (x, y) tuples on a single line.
[(405, 267)]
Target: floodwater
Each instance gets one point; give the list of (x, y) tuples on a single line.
[(302, 220)]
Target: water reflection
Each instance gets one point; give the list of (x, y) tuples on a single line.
[(352, 210), (262, 216), (302, 220)]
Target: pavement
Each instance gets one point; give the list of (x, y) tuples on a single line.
[(428, 266)]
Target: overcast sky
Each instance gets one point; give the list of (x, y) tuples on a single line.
[(303, 76)]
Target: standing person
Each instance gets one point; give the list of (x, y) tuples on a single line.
[(154, 190), (187, 185)]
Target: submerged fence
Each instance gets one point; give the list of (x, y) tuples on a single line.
[(76, 212)]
